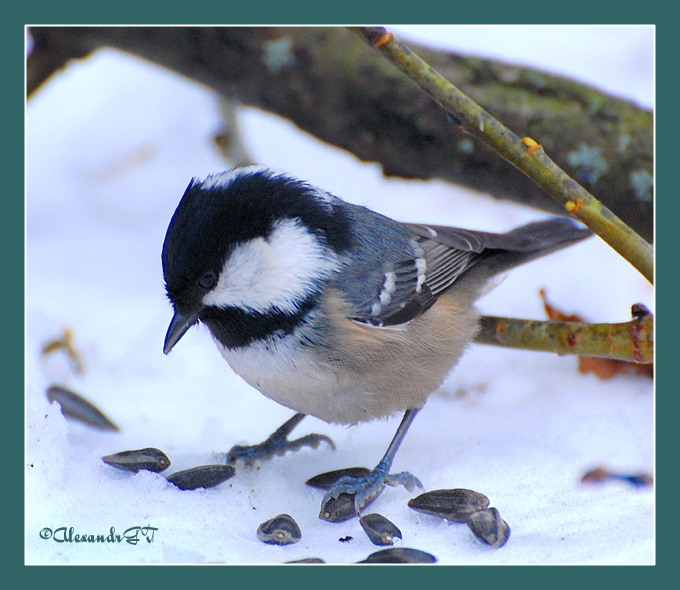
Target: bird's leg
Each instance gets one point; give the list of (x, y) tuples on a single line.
[(367, 488), (276, 444)]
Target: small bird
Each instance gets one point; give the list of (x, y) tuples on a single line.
[(330, 308)]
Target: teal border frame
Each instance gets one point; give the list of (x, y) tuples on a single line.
[(348, 12)]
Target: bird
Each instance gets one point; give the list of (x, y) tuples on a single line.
[(330, 308)]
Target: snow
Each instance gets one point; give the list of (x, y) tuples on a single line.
[(111, 144)]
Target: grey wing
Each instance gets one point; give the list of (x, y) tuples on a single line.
[(401, 291)]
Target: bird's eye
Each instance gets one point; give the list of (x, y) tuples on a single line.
[(208, 280)]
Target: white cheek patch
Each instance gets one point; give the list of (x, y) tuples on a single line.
[(276, 273)]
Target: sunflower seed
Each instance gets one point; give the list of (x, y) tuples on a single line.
[(338, 509), (204, 476), (399, 555), (78, 408), (307, 560), (455, 505), (149, 459), (379, 529), (280, 530), (488, 526), (324, 481)]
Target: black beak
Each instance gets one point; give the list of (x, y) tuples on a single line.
[(178, 327)]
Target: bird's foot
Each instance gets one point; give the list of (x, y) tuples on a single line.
[(276, 444), (362, 491)]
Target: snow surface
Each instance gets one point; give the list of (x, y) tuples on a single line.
[(111, 144)]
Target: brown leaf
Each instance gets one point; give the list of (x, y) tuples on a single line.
[(608, 368), (557, 315)]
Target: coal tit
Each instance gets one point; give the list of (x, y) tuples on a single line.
[(329, 308)]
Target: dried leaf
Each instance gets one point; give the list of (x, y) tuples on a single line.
[(608, 368), (65, 343), (601, 474), (557, 315)]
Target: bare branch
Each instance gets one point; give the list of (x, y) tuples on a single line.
[(332, 85), (631, 341), (525, 154)]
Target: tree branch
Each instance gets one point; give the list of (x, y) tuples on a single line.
[(631, 341), (332, 85), (525, 154)]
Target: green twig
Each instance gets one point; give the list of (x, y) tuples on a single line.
[(526, 154), (631, 341)]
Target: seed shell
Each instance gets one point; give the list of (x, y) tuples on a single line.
[(204, 476), (324, 481), (78, 408), (455, 504), (399, 555), (338, 509), (379, 529), (149, 459), (307, 560), (280, 530), (488, 526)]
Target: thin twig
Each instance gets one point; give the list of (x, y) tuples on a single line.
[(631, 341), (526, 154)]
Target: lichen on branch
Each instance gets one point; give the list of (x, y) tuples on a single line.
[(525, 154), (329, 83)]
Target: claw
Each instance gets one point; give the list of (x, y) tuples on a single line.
[(276, 444), (273, 446), (366, 489), (406, 479)]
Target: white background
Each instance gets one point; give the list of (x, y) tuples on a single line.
[(111, 144)]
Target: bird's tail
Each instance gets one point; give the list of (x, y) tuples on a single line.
[(501, 252), (525, 243)]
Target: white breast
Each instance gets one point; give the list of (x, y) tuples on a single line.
[(296, 378), (361, 373)]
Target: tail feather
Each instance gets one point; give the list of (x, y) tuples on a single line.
[(505, 251), (480, 255)]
